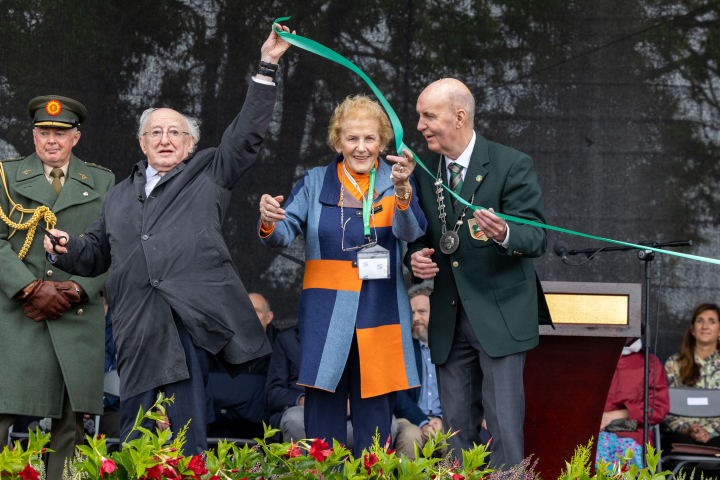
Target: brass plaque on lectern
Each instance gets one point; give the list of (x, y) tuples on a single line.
[(588, 309), (593, 309)]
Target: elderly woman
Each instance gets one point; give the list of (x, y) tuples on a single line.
[(354, 314), (697, 365)]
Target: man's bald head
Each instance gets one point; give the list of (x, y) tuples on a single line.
[(456, 95), (447, 110)]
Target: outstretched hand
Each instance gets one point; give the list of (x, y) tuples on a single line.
[(274, 46), (270, 210)]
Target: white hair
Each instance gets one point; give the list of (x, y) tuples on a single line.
[(193, 125)]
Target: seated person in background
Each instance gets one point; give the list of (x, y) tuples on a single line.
[(236, 406), (418, 410), (697, 365), (285, 398), (623, 415)]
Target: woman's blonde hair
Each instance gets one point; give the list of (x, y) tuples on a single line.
[(355, 106)]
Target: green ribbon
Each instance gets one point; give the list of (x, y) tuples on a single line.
[(323, 51)]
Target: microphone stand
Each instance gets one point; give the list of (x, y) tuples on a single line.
[(646, 256)]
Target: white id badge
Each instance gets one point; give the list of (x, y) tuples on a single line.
[(373, 263)]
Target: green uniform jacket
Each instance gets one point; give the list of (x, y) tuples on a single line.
[(36, 359), (498, 287)]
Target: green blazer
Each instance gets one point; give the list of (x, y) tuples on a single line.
[(498, 287), (36, 359)]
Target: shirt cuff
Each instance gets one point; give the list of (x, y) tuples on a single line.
[(423, 423), (264, 82), (264, 233), (51, 258), (505, 242), (298, 399)]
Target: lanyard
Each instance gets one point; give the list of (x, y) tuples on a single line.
[(367, 200)]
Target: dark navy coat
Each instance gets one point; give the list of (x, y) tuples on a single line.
[(167, 252)]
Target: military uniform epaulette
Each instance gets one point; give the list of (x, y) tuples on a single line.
[(11, 159), (99, 167)]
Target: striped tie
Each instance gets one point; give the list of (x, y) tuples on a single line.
[(456, 181)]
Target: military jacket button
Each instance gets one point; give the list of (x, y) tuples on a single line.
[(85, 194), (81, 235), (145, 237), (452, 304), (455, 264), (80, 311), (49, 273), (155, 283)]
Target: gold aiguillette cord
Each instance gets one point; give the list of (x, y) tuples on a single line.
[(42, 212)]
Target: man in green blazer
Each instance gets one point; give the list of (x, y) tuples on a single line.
[(487, 301), (52, 323)]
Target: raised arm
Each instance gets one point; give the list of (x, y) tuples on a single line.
[(242, 140)]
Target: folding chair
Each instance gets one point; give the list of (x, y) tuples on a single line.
[(111, 388), (693, 402)]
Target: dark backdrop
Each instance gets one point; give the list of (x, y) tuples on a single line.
[(617, 102)]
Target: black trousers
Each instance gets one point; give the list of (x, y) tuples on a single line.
[(190, 404), (326, 412)]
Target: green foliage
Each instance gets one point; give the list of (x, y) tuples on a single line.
[(12, 462)]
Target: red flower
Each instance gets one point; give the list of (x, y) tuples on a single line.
[(624, 468), (318, 450), (433, 476), (29, 473), (293, 451), (197, 465), (369, 461), (390, 452), (108, 466), (387, 442), (457, 465), (488, 444), (458, 477), (154, 472), (214, 477)]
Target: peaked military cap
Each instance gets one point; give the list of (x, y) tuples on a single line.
[(56, 111)]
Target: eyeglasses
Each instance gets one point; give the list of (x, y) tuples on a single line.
[(172, 133), (369, 244)]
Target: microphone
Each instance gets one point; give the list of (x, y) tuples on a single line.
[(561, 249)]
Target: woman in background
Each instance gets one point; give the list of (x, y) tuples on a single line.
[(697, 365)]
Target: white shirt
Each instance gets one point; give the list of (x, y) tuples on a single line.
[(153, 177), (464, 161)]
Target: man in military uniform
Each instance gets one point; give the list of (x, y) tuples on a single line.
[(51, 346)]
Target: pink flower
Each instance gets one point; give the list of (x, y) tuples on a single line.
[(318, 450), (108, 466), (29, 473)]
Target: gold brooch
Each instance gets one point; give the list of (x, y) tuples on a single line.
[(82, 175), (27, 171)]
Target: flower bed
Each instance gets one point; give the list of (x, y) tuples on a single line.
[(151, 456)]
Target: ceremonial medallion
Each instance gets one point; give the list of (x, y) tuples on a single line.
[(449, 242), (475, 232)]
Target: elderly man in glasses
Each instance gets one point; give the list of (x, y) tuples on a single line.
[(176, 296)]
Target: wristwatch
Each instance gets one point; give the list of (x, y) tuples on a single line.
[(405, 196)]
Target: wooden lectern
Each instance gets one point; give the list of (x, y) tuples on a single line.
[(567, 377)]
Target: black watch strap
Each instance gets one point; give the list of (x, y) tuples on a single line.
[(270, 66), (266, 71)]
